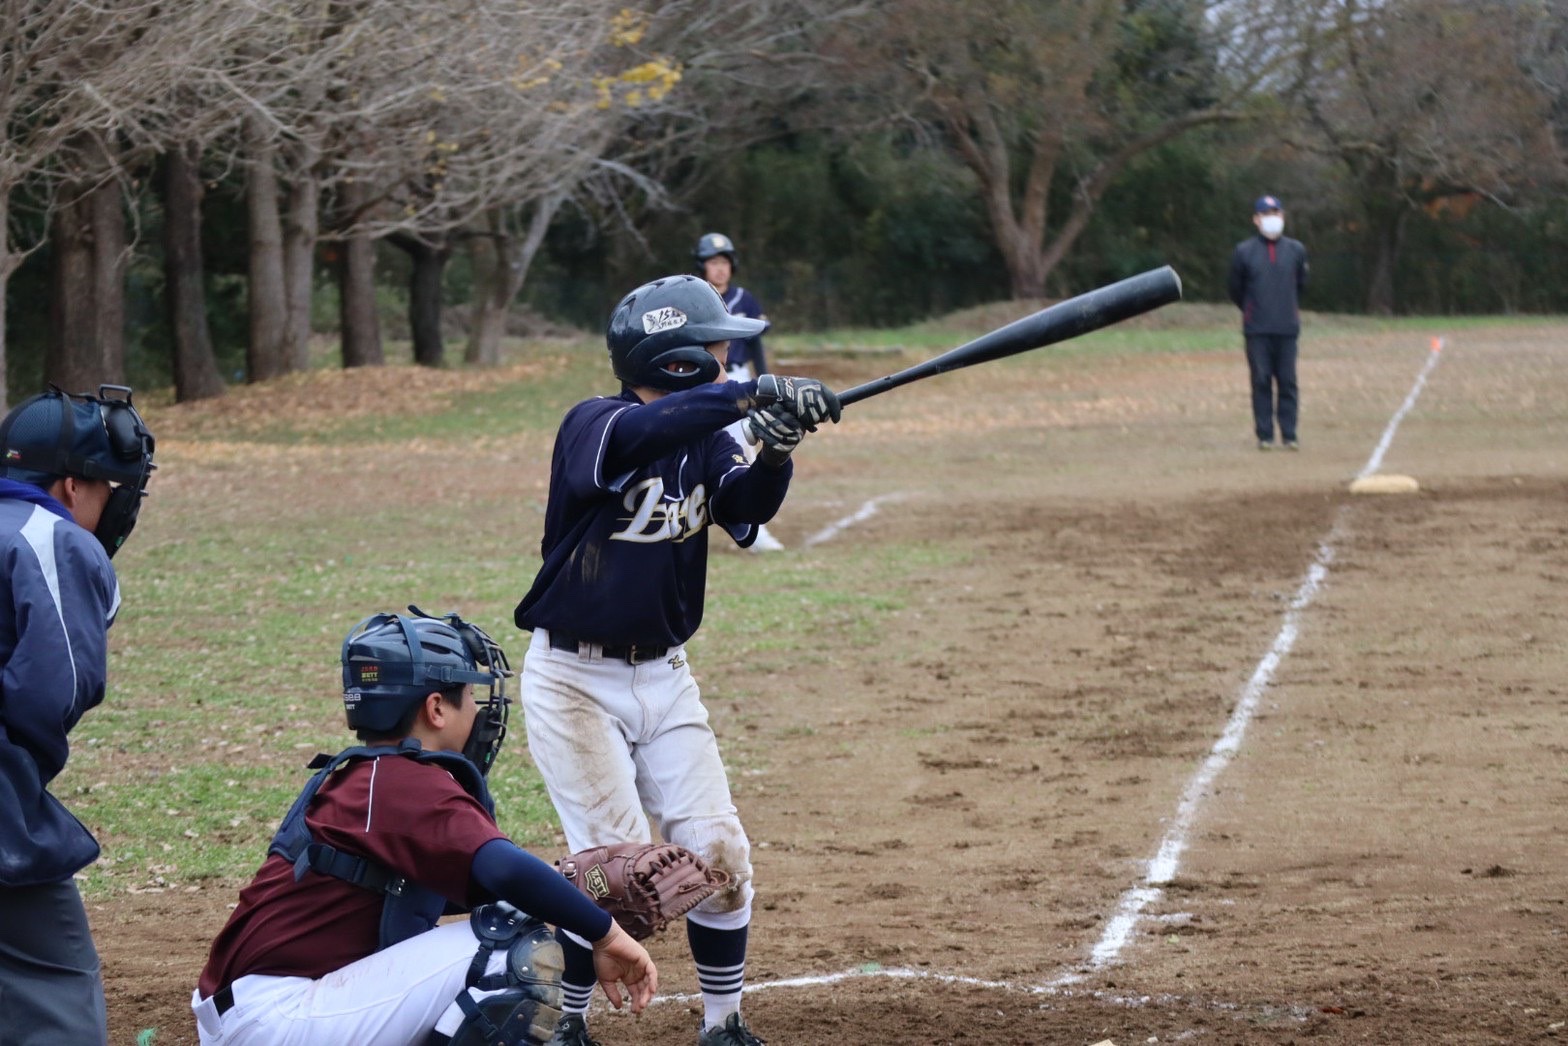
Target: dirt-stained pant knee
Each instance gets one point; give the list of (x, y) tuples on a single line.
[(722, 842)]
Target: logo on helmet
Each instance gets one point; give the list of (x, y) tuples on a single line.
[(665, 319), (369, 674)]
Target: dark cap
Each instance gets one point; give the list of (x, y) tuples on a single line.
[(1267, 203)]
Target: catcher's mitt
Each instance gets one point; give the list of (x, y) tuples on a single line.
[(644, 886)]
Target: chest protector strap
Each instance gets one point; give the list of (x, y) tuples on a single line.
[(409, 908)]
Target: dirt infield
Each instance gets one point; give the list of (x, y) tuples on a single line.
[(951, 802)]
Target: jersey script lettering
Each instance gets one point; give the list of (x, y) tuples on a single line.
[(655, 519)]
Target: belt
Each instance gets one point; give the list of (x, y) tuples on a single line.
[(632, 654), (223, 999)]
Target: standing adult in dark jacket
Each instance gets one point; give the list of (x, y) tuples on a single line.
[(76, 469), (1267, 274)]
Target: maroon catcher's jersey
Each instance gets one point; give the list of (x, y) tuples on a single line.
[(412, 817)]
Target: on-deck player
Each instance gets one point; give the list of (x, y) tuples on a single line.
[(715, 254), (615, 720)]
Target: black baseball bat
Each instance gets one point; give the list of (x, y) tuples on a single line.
[(1087, 312)]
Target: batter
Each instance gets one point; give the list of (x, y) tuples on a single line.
[(615, 720)]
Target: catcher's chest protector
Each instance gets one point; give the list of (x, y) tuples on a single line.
[(408, 908)]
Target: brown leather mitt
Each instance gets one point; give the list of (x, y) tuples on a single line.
[(644, 886)]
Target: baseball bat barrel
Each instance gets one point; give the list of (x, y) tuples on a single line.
[(1072, 318)]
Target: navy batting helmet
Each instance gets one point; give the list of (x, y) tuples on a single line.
[(712, 244), (392, 661), (57, 434), (669, 321)]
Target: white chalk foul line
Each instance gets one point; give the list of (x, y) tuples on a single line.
[(860, 515), (1376, 460), (1163, 866)]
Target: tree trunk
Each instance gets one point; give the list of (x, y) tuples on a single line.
[(361, 332), (8, 263), (1386, 232), (504, 278), (486, 252), (73, 361), (301, 229), (264, 355), (106, 231), (1024, 259), (424, 295), (195, 366)]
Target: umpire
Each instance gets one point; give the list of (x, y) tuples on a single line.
[(75, 472), (1267, 274)]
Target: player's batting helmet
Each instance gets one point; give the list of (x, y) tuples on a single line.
[(711, 245), (670, 321), (391, 662)]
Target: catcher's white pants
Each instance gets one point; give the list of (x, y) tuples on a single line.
[(395, 997), (620, 744)]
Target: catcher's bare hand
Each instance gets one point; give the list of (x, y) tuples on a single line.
[(806, 398), (619, 960)]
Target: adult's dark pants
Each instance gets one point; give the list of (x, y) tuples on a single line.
[(1271, 360), (51, 987)]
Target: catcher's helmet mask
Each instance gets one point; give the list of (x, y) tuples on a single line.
[(102, 437), (391, 662), (667, 323)]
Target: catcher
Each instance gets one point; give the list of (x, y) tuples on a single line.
[(336, 939), (615, 721)]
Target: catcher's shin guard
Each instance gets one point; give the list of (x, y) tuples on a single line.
[(526, 1003)]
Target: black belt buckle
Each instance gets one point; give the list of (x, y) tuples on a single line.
[(223, 999), (637, 655)]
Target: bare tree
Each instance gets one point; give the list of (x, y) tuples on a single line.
[(195, 365), (59, 129), (1048, 101), (1421, 100)]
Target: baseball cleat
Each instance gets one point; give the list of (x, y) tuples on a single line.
[(733, 1032), (766, 542), (571, 1030)]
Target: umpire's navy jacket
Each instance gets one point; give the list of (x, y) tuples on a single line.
[(1266, 281), (58, 596)]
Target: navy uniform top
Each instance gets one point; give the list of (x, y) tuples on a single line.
[(58, 597), (633, 490), (745, 352), (1266, 281)]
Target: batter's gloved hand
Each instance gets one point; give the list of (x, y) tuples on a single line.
[(806, 398), (778, 432)]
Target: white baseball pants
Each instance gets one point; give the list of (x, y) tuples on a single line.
[(618, 744), (395, 997)]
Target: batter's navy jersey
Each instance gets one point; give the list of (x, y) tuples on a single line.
[(633, 489)]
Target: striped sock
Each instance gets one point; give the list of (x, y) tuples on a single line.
[(720, 957), (578, 982)]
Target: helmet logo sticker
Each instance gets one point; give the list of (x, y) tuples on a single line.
[(665, 319), (369, 674)]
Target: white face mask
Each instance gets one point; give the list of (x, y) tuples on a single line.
[(1271, 225)]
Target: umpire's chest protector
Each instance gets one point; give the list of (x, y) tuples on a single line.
[(408, 908)]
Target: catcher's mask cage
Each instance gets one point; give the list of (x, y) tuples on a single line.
[(393, 661), (59, 433), (713, 244), (669, 321)]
